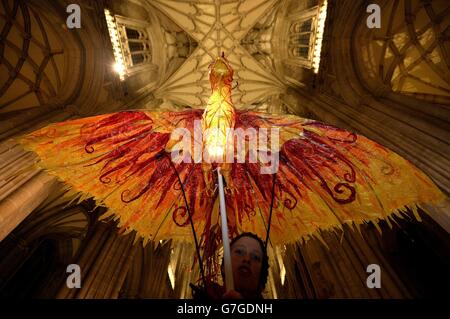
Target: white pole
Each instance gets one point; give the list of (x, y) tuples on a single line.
[(229, 284)]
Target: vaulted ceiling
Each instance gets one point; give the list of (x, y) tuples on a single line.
[(31, 63), (219, 26), (409, 54), (254, 35)]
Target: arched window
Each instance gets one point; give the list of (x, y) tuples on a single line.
[(301, 37), (305, 34), (136, 44)]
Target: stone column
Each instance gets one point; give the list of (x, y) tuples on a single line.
[(148, 275), (105, 260), (22, 187), (338, 270)]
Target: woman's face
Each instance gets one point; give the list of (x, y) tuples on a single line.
[(246, 260)]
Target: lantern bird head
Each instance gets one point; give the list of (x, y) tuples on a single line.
[(220, 72), (219, 115)]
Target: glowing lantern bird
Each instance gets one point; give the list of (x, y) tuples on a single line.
[(325, 176)]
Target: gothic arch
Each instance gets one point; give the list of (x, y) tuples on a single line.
[(60, 231), (56, 72), (409, 54), (412, 127)]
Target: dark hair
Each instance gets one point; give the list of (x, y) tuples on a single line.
[(265, 260)]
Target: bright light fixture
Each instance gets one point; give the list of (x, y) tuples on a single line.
[(119, 66), (319, 35)]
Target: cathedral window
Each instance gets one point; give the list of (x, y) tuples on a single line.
[(305, 35), (131, 44)]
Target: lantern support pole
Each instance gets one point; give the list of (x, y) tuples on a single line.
[(229, 283)]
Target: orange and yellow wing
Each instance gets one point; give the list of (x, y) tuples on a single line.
[(121, 161), (326, 177)]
